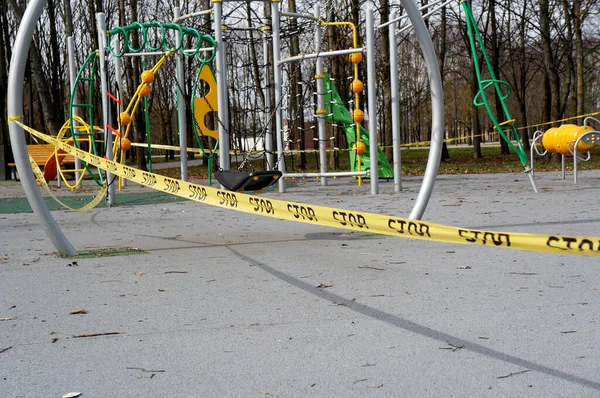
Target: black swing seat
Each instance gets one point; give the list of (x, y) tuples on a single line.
[(247, 181)]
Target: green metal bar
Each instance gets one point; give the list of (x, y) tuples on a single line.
[(93, 58), (144, 27), (475, 35)]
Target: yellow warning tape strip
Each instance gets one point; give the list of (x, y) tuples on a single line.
[(337, 218), (40, 177)]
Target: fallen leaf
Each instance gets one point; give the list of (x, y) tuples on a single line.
[(161, 290), (7, 319), (324, 285), (369, 267), (147, 370), (96, 334), (265, 393), (452, 347), (72, 395), (81, 311), (140, 273), (4, 349), (513, 374), (54, 340)]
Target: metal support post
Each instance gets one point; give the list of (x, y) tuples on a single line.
[(372, 101), (321, 111), (108, 141), (277, 82), (395, 106), (181, 106), (224, 160)]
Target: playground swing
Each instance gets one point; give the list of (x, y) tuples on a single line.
[(232, 180)]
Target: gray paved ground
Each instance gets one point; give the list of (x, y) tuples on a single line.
[(226, 304)]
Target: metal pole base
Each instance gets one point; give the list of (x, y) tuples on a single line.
[(529, 172)]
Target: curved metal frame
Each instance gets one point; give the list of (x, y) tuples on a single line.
[(437, 108), (16, 76)]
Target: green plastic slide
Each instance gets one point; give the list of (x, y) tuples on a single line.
[(338, 113)]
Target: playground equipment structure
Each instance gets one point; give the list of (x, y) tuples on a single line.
[(24, 35), (567, 140), (475, 40)]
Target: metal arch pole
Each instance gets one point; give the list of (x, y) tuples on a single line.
[(224, 161), (372, 101), (108, 142), (17, 137), (437, 108), (321, 112), (395, 106), (277, 83), (181, 106), (72, 79)]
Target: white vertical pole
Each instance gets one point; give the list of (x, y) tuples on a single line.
[(181, 106), (372, 101), (395, 105), (321, 112), (224, 161), (108, 142), (277, 82)]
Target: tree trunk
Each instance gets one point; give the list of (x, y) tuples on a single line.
[(577, 25), (56, 67), (49, 107), (4, 57), (549, 63), (384, 61), (495, 60), (445, 155)]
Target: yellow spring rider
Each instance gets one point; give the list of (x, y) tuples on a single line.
[(568, 140)]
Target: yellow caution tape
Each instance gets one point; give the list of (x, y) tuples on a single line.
[(337, 218), (40, 177)]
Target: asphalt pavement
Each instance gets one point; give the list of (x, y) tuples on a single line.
[(181, 299)]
